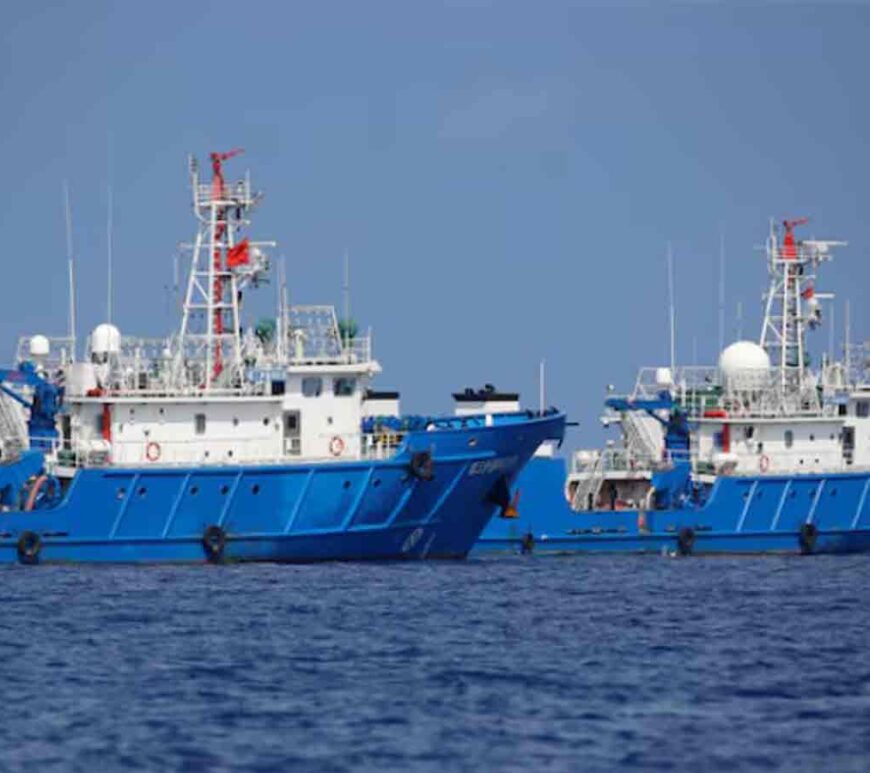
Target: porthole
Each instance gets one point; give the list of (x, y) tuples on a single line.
[(833, 492), (141, 491), (472, 442), (225, 489), (255, 489), (194, 490), (265, 421), (346, 484), (236, 421), (230, 453), (121, 493), (376, 482)]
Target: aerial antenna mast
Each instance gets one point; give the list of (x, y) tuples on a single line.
[(71, 270), (221, 266)]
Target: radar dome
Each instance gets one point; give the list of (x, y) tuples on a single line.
[(39, 346), (106, 339), (743, 361)]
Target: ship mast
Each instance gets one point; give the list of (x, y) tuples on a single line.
[(210, 339), (792, 303)]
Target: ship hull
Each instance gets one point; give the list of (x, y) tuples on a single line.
[(796, 514), (367, 510)]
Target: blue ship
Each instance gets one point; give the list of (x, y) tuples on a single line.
[(235, 441), (757, 455), (431, 499)]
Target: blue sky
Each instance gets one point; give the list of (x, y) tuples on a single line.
[(505, 176)]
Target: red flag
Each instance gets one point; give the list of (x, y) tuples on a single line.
[(238, 255), (808, 292)]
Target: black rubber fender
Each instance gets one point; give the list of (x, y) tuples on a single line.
[(807, 537), (29, 547), (214, 540), (686, 541), (422, 466)]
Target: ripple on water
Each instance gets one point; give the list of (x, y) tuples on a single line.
[(607, 663)]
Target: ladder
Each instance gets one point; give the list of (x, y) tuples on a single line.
[(643, 435), (589, 487), (13, 430)]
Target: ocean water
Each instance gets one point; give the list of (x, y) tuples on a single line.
[(616, 663)]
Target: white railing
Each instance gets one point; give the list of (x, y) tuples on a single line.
[(60, 351)]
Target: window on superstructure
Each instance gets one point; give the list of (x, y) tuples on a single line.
[(312, 386), (862, 409), (199, 423), (789, 438), (343, 386)]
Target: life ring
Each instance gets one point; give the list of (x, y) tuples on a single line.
[(336, 446), (807, 538), (152, 451), (29, 545), (214, 540), (764, 463), (686, 540), (422, 466)]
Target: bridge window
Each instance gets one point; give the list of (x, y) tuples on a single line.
[(343, 386), (312, 386), (789, 438)]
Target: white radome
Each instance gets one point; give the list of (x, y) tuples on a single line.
[(664, 377), (39, 346), (106, 339), (743, 358)]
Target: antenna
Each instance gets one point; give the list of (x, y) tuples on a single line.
[(721, 288), (672, 314), (109, 256), (739, 320), (346, 292), (281, 333), (72, 282), (848, 333), (541, 386)]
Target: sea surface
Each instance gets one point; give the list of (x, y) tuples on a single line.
[(533, 663)]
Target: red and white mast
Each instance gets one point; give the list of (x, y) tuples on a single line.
[(222, 263), (792, 302)]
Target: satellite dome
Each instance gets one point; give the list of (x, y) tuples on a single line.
[(106, 339), (744, 364), (39, 346)]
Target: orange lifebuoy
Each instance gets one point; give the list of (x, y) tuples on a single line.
[(152, 451), (336, 446), (764, 463)]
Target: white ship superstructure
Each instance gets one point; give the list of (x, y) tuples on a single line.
[(214, 393), (762, 410)]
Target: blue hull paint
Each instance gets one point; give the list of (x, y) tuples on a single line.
[(741, 515), (370, 510)]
